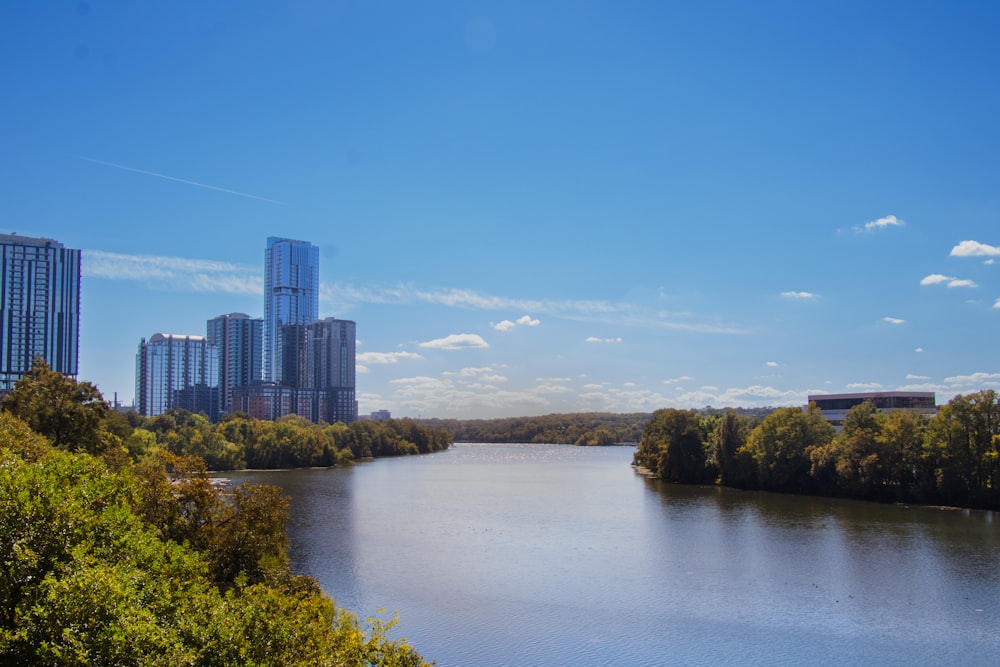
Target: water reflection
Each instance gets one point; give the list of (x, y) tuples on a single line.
[(553, 555)]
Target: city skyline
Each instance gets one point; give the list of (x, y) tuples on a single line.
[(530, 209)]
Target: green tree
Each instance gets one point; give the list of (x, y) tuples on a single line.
[(71, 414), (781, 444), (730, 434), (672, 446)]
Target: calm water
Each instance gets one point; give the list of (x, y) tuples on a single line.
[(561, 555)]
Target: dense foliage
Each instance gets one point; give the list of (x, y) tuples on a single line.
[(75, 416), (151, 565), (106, 560), (585, 428), (952, 458), (239, 441)]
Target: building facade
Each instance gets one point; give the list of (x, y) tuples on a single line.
[(330, 369), (39, 306), (836, 406), (322, 386), (239, 340), (177, 371), (291, 297)]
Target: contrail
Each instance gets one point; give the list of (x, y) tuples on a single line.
[(179, 180)]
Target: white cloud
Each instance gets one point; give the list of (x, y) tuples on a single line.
[(507, 325), (882, 223), (798, 295), (683, 378), (385, 357), (342, 297), (865, 386), (594, 339), (893, 320), (179, 273), (974, 380), (974, 249), (937, 279), (772, 364), (996, 304), (919, 349), (456, 342), (910, 376)]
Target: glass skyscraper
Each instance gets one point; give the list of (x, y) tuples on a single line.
[(239, 340), (291, 300), (39, 306), (330, 369), (177, 371)]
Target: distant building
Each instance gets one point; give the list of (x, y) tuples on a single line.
[(291, 297), (239, 340), (177, 371), (39, 306), (380, 415), (330, 369), (835, 406), (322, 389)]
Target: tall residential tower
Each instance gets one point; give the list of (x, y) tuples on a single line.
[(291, 300), (177, 371), (39, 306), (239, 340)]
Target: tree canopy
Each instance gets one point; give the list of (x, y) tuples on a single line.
[(152, 565), (952, 458)]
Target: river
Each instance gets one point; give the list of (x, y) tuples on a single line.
[(559, 555)]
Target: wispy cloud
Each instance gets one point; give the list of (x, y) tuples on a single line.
[(385, 357), (595, 339), (951, 281), (798, 295), (683, 378), (865, 386), (772, 364), (456, 342), (179, 180), (881, 223), (893, 320), (507, 325), (207, 275), (974, 249), (342, 297), (198, 275), (911, 376), (996, 304)]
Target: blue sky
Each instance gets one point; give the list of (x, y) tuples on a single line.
[(530, 207)]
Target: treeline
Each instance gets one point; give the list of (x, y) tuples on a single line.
[(952, 458), (109, 561), (238, 441), (78, 417), (585, 428)]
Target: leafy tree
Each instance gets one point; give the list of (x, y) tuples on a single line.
[(89, 577), (71, 414), (781, 444), (672, 446), (729, 436)]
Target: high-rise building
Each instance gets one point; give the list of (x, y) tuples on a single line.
[(291, 297), (330, 369), (239, 340), (39, 306), (177, 371)]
